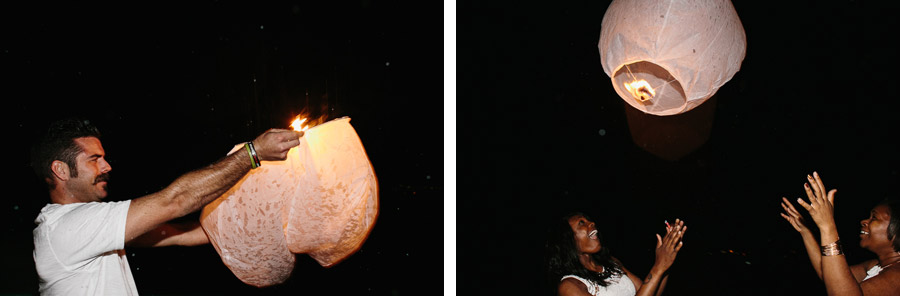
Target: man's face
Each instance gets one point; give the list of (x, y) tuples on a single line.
[(93, 171)]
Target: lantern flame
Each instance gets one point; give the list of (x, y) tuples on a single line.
[(298, 124), (640, 90)]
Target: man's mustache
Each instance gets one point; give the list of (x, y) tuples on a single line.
[(102, 178)]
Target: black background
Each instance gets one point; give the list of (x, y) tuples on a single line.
[(541, 131), (173, 86)]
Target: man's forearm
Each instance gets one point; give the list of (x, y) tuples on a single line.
[(197, 188), (171, 234)]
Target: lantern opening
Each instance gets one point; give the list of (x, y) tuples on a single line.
[(653, 88)]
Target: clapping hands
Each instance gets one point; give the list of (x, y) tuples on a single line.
[(667, 247)]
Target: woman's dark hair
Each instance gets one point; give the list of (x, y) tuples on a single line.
[(58, 144), (562, 255), (893, 229)]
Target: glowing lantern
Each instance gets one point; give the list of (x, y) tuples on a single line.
[(244, 225), (322, 200), (667, 57), (335, 201)]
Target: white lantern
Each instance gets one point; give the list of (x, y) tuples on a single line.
[(244, 226), (334, 205), (322, 200), (667, 57)]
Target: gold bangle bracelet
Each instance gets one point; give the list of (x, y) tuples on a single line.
[(832, 249)]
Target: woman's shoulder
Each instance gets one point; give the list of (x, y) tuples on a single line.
[(888, 280), (572, 285), (868, 264), (891, 271)]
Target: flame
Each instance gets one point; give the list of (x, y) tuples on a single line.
[(298, 125), (640, 90)]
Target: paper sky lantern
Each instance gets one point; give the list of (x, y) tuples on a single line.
[(244, 226), (335, 203), (667, 57), (322, 200)]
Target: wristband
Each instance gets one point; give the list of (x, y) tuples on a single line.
[(253, 153), (254, 160)]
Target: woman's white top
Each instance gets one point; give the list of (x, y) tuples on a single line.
[(617, 286)]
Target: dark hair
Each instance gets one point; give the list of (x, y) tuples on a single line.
[(562, 255), (58, 144), (893, 229)]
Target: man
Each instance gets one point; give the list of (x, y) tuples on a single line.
[(79, 241)]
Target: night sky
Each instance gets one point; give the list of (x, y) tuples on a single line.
[(173, 86), (540, 131)]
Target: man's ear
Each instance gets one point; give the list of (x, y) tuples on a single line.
[(60, 170)]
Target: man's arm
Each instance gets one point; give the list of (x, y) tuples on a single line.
[(193, 190), (172, 234)]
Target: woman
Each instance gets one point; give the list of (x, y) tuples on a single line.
[(878, 234), (584, 267)]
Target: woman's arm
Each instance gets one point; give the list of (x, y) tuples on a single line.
[(638, 283), (809, 240), (835, 271), (662, 284), (666, 250), (651, 284), (635, 280)]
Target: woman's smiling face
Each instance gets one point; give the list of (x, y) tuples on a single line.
[(873, 232), (586, 236)]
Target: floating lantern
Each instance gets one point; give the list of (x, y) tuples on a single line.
[(322, 200), (667, 57)]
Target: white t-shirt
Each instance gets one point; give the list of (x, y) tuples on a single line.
[(79, 249)]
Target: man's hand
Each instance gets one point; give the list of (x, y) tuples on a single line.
[(274, 144)]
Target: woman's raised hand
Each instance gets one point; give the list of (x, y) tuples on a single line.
[(667, 247), (792, 216), (821, 205)]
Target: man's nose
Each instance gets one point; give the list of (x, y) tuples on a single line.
[(104, 166)]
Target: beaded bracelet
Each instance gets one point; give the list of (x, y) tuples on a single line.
[(254, 159), (832, 249)]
